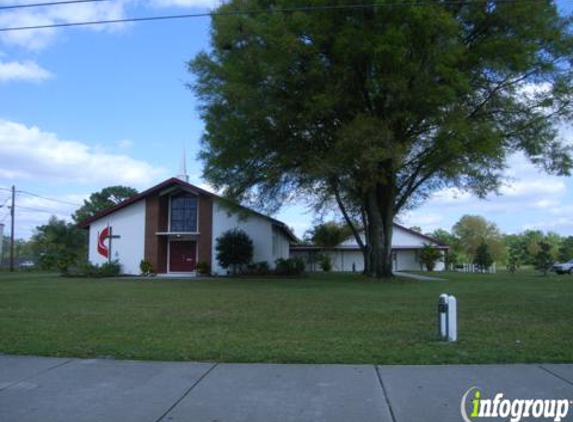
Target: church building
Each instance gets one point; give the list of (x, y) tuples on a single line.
[(174, 225)]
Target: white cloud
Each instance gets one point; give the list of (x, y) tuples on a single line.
[(23, 71), (80, 12), (562, 225), (528, 199), (40, 38), (428, 222), (28, 153), (125, 144)]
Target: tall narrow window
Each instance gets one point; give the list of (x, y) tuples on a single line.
[(184, 213)]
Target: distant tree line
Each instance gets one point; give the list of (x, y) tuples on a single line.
[(473, 231)]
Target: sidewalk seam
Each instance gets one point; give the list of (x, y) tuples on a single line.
[(385, 394), (36, 374), (186, 393), (555, 375)]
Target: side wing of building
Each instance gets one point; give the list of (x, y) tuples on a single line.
[(269, 242)]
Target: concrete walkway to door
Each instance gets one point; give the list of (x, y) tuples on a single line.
[(34, 389), (417, 276)]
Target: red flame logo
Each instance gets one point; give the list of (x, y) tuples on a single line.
[(101, 246)]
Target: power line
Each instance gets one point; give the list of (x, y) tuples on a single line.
[(21, 207), (51, 3), (49, 199), (261, 11), (5, 202)]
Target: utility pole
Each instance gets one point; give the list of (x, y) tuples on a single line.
[(12, 209)]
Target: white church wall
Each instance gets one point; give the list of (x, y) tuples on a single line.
[(259, 229), (407, 261), (404, 238), (281, 244), (400, 239), (128, 249), (353, 260)]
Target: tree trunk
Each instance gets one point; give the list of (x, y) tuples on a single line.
[(366, 248), (379, 208), (355, 231)]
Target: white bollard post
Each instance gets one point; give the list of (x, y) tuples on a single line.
[(452, 319), (442, 316)]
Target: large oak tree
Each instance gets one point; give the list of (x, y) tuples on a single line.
[(102, 200), (378, 107)]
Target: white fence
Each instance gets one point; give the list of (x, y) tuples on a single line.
[(472, 268)]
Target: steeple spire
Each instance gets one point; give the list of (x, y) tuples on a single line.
[(183, 168)]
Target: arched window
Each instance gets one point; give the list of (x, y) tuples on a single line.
[(184, 213)]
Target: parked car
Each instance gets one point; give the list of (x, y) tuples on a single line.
[(564, 267), (26, 265)]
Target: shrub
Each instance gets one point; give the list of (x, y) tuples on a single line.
[(452, 260), (85, 269), (483, 258), (234, 249), (544, 258), (429, 256), (203, 268), (290, 266), (325, 263), (146, 267), (61, 260), (110, 269), (513, 262), (258, 268)]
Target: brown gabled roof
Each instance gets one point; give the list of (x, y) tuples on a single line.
[(172, 182)]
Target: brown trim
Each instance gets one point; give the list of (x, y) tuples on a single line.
[(155, 248), (205, 228)]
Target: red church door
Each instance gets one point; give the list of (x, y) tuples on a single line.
[(182, 255)]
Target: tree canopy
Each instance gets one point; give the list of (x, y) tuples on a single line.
[(377, 107), (329, 234), (99, 201), (472, 231), (59, 244)]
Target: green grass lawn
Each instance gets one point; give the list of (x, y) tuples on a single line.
[(335, 318)]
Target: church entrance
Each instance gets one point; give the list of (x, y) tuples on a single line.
[(182, 256)]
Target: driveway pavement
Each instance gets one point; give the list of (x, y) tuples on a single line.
[(103, 390)]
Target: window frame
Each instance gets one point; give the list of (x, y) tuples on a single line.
[(170, 211)]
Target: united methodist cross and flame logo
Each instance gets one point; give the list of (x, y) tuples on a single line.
[(102, 248)]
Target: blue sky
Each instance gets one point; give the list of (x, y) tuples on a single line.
[(85, 108)]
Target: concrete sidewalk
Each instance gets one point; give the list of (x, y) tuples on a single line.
[(77, 390)]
